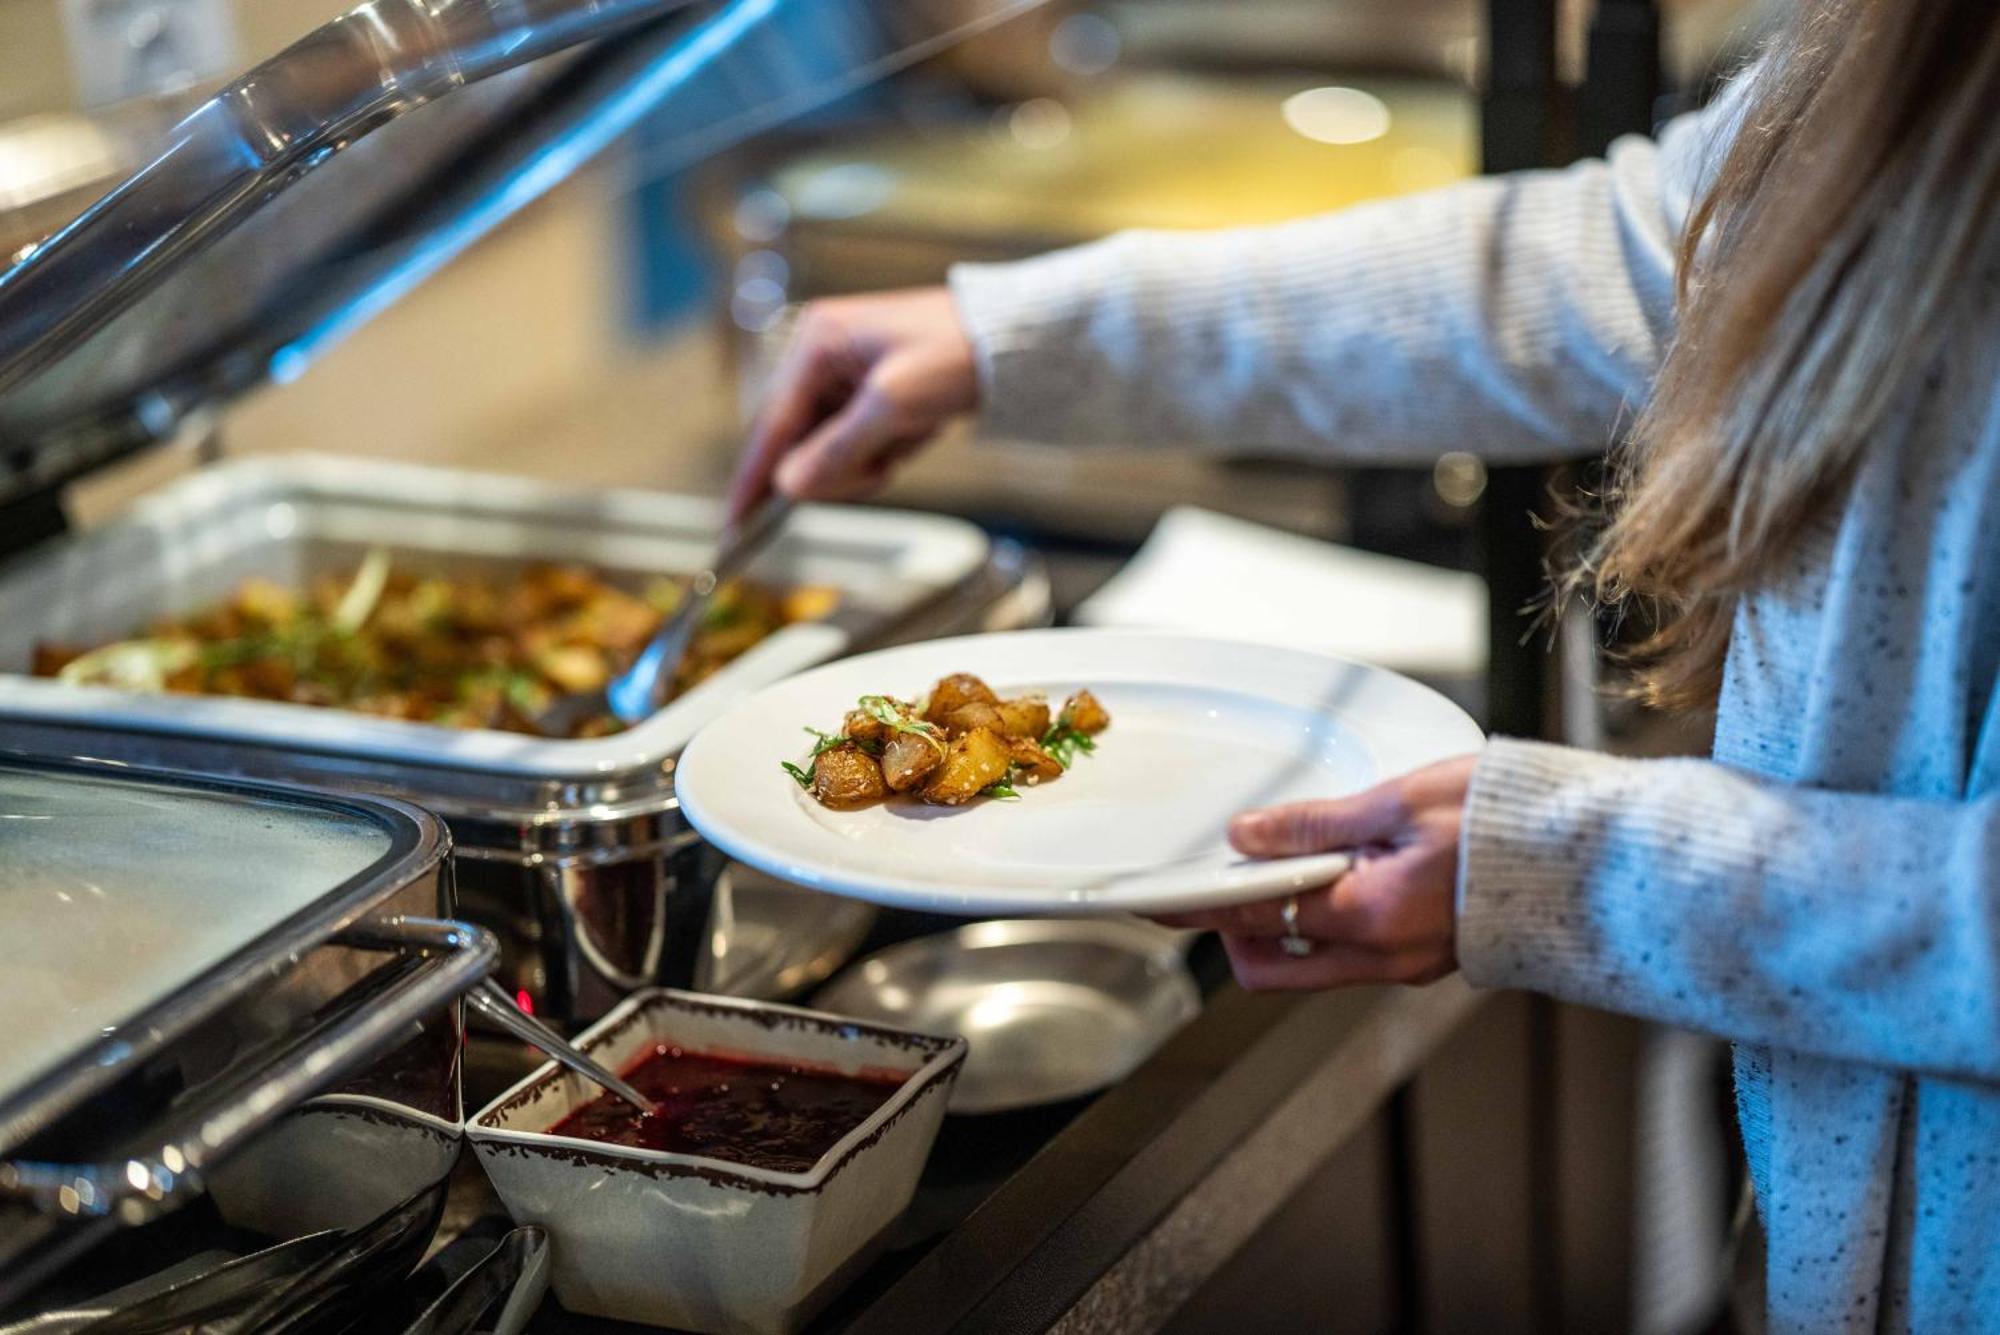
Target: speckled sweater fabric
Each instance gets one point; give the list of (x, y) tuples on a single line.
[(1826, 891)]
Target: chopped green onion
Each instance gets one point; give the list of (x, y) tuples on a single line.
[(358, 604), (891, 716), (803, 776), (828, 740), (1002, 791), (131, 665), (525, 693), (1065, 742)]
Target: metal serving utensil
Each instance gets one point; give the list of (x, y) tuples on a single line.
[(512, 1276), (638, 692), (490, 1001)]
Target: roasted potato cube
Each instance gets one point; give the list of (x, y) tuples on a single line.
[(974, 763), (1082, 712), (1026, 717), (967, 717), (574, 667), (1033, 762), (808, 602), (861, 726), (51, 659), (954, 693), (907, 760), (846, 776)]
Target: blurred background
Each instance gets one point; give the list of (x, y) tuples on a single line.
[(616, 329), (613, 331)]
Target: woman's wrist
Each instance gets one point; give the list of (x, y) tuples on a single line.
[(1524, 862)]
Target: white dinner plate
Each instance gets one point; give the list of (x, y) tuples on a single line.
[(1200, 730)]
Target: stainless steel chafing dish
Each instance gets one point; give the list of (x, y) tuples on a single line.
[(572, 851), (216, 990), (281, 213)]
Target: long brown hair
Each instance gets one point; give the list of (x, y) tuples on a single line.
[(1817, 276)]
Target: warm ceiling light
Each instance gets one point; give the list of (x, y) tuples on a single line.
[(1337, 115)]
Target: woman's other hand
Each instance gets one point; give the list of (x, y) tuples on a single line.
[(866, 381), (1390, 920)]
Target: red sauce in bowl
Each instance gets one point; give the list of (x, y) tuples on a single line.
[(767, 1115)]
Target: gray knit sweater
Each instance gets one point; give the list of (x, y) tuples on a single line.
[(1825, 891)]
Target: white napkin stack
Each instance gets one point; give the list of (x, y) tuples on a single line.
[(1209, 574)]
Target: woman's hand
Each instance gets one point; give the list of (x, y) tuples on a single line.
[(865, 381), (1390, 920)]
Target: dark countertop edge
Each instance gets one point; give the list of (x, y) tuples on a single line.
[(1096, 1192)]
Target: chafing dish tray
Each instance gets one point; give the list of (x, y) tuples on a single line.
[(573, 851), (293, 519), (220, 991)]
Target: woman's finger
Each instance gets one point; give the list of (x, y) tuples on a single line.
[(1298, 828), (1326, 912), (806, 387), (1380, 905), (842, 457)]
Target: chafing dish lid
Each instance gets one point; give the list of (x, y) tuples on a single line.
[(131, 904), (316, 189)]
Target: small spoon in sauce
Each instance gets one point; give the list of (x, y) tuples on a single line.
[(497, 1006)]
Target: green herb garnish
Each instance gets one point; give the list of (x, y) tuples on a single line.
[(891, 716), (1002, 791), (525, 693), (824, 742), (1065, 742), (828, 740), (723, 613)]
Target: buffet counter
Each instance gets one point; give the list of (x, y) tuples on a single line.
[(1137, 1209), (1301, 1161)]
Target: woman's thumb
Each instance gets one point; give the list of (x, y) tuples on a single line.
[(1299, 828)]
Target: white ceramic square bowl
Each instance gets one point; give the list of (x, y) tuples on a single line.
[(705, 1244)]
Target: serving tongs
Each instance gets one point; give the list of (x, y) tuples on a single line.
[(490, 1001), (324, 1281), (308, 1286), (637, 693)]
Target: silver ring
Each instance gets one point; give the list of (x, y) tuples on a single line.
[(1291, 942)]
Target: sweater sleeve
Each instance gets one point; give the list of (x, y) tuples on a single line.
[(1515, 316), (1852, 926)]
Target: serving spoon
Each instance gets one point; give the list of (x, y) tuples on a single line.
[(637, 693), (490, 1001)]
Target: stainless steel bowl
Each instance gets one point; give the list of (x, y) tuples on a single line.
[(769, 941), (1053, 1009)]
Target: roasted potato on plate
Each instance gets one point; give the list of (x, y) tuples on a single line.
[(1025, 717), (963, 741), (862, 726), (974, 763), (847, 776), (909, 758), (955, 693), (967, 717), (1082, 712), (1031, 761)]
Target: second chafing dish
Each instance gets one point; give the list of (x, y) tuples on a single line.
[(573, 852), (222, 991)]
